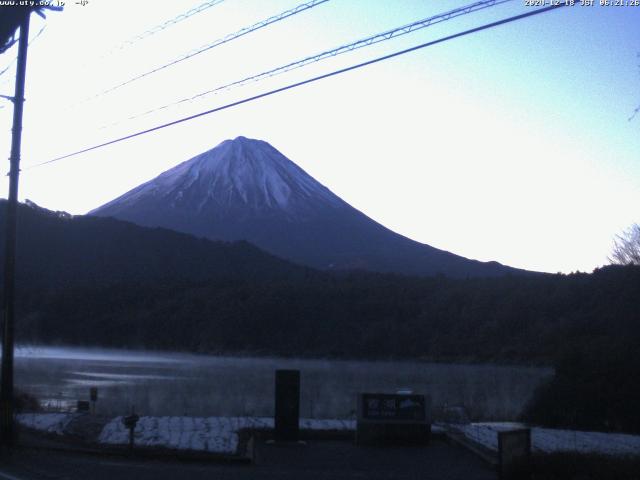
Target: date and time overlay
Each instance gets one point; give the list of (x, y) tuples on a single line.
[(526, 3), (582, 3)]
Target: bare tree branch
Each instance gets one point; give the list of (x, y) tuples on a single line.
[(626, 247)]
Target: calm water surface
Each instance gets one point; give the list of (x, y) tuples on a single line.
[(164, 383)]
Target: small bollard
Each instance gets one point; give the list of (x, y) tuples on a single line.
[(130, 422), (514, 454)]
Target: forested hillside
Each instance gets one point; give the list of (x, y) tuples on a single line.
[(103, 282)]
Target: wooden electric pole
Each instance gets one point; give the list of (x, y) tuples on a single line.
[(7, 432)]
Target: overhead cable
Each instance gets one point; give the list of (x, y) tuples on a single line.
[(14, 60), (307, 81), (363, 42), (158, 28), (227, 38)]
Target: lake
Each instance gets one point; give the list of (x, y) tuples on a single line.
[(165, 383)]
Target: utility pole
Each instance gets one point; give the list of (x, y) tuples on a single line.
[(7, 433)]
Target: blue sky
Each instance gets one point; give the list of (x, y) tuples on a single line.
[(511, 144)]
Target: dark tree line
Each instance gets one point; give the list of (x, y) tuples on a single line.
[(587, 325), (510, 319)]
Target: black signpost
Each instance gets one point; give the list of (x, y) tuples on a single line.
[(93, 395), (130, 422)]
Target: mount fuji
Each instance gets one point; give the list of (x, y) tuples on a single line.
[(245, 189)]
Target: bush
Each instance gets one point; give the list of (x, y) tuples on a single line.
[(594, 388), (25, 402)]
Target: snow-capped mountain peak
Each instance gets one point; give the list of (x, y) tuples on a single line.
[(242, 170), (245, 189)]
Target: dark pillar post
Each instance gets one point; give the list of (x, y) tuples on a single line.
[(287, 405)]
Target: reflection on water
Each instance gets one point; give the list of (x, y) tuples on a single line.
[(99, 354), (159, 383), (124, 377)]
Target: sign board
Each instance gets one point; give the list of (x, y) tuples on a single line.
[(130, 421), (514, 454), (393, 407), (82, 406), (393, 419)]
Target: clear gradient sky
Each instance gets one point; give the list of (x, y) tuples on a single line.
[(512, 144)]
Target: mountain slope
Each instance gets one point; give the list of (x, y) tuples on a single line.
[(245, 189), (56, 250)]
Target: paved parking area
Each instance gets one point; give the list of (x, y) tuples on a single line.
[(313, 460)]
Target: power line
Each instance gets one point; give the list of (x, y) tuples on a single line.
[(364, 42), (228, 38), (152, 31), (307, 81), (10, 64), (158, 28)]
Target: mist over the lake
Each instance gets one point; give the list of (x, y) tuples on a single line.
[(166, 383)]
